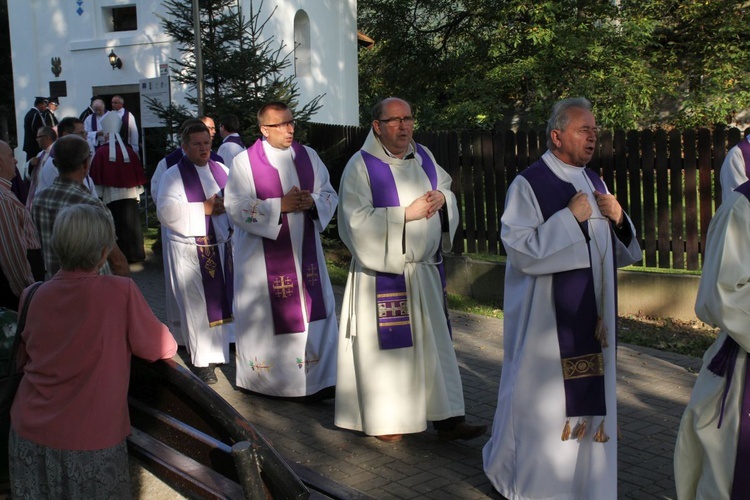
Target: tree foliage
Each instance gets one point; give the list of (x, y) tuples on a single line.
[(242, 69), (472, 63)]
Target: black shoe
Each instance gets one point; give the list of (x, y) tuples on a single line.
[(462, 431), (207, 375)]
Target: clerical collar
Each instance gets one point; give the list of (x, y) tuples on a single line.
[(408, 156)]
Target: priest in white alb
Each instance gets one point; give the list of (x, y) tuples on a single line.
[(397, 365), (555, 429), (280, 199), (712, 454), (191, 206)]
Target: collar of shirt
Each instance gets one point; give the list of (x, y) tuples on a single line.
[(408, 156)]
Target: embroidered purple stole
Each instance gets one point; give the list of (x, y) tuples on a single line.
[(722, 364), (234, 139), (392, 301), (744, 146), (575, 304), (218, 287), (283, 285)]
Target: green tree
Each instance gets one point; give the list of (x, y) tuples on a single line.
[(481, 62), (241, 70)]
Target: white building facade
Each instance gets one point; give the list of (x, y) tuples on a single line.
[(61, 47)]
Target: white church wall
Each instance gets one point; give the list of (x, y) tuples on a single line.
[(77, 32)]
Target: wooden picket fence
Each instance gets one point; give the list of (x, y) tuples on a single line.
[(667, 181)]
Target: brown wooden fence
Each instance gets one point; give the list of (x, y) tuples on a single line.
[(667, 181)]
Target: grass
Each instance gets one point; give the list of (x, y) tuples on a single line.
[(691, 338)]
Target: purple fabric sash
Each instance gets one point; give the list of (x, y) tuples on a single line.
[(218, 287), (575, 304), (125, 128), (394, 326), (283, 282), (722, 364), (235, 139), (744, 146)]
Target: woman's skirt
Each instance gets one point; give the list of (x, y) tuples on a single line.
[(40, 472)]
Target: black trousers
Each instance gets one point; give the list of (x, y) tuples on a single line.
[(128, 229)]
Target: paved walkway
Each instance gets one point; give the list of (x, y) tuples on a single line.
[(653, 389)]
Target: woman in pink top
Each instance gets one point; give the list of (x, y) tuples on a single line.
[(69, 419)]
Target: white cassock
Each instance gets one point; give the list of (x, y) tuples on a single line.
[(526, 457), (291, 364), (186, 221), (228, 149), (394, 391), (704, 457), (732, 172), (174, 321)]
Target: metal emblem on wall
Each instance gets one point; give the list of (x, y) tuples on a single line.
[(56, 66)]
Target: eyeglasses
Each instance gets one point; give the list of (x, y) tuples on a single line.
[(398, 120), (290, 123), (589, 130)]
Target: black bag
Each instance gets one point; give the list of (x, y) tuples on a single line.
[(9, 381)]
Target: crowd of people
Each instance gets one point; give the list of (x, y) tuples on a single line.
[(244, 267)]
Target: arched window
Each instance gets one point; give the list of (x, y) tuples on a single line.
[(302, 44)]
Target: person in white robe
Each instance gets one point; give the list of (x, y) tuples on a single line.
[(711, 459), (296, 360), (390, 389), (734, 170), (207, 338), (92, 124), (231, 142), (172, 311), (539, 448)]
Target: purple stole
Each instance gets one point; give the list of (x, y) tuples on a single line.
[(125, 128), (218, 287), (235, 139), (394, 326), (744, 146), (722, 365), (575, 304), (283, 285)]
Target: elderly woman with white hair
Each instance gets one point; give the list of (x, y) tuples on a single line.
[(69, 419)]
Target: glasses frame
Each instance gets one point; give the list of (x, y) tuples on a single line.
[(398, 120), (289, 123)]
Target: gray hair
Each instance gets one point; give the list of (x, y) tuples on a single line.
[(80, 234), (69, 153), (560, 116)]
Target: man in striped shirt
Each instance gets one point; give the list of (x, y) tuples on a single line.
[(18, 240)]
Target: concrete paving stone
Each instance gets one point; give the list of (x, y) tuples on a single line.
[(420, 478), (636, 478), (432, 487), (400, 491), (362, 482)]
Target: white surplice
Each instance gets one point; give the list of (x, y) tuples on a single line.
[(526, 457), (732, 172), (290, 364), (185, 221), (394, 391), (704, 458)]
